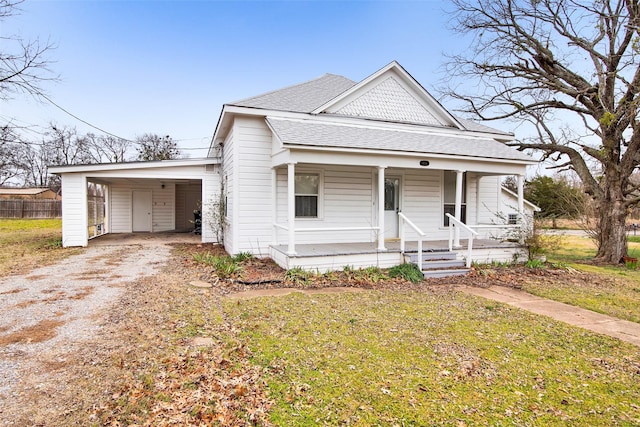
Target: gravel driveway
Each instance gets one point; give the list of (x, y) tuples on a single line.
[(54, 309)]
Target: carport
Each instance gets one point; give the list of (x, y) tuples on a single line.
[(137, 197)]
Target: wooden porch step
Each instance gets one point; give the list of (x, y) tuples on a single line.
[(431, 256), (437, 264)]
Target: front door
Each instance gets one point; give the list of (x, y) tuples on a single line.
[(391, 206), (142, 201)]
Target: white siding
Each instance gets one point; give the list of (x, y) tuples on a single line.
[(210, 199), (422, 201), (74, 210), (120, 209), (346, 201), (163, 205), (228, 178), (489, 188), (253, 171)]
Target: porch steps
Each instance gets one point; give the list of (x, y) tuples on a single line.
[(438, 264)]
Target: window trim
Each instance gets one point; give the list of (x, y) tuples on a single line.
[(320, 212)]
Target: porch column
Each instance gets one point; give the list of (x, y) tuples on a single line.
[(458, 211), (291, 207), (381, 208), (521, 197), (274, 206), (478, 177)]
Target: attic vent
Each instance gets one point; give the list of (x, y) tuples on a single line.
[(210, 168)]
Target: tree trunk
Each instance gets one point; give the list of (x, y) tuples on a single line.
[(612, 236)]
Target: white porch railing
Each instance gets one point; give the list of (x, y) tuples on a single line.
[(291, 248), (421, 234), (453, 222), (502, 229)]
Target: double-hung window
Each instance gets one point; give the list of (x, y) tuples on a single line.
[(449, 195), (307, 190)]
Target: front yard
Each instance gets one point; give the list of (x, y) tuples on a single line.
[(396, 353), (432, 358)]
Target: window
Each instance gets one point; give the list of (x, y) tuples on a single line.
[(307, 189), (449, 196), (512, 219)]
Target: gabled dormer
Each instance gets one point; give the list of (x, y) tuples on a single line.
[(390, 95)]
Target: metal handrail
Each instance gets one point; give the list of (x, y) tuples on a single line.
[(421, 234), (472, 233)]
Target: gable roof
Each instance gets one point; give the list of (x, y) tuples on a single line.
[(391, 94), (302, 98), (342, 135)]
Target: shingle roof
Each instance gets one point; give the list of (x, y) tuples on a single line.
[(306, 97), (303, 97), (478, 127), (321, 134)]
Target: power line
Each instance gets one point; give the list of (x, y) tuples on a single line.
[(81, 120), (52, 102)]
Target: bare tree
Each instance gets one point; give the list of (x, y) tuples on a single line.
[(33, 160), (67, 147), (60, 145), (23, 64), (108, 149), (154, 147), (8, 169), (570, 68)]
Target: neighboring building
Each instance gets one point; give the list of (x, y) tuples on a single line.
[(509, 206), (28, 193), (320, 175)]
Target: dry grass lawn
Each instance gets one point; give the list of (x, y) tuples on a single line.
[(28, 243)]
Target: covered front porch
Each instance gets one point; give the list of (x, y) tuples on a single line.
[(335, 256), (328, 215)]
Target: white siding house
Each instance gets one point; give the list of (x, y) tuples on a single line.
[(323, 174), (317, 173)]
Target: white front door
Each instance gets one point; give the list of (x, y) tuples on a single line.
[(142, 205), (391, 206)]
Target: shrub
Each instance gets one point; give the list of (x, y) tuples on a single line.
[(243, 256), (408, 272), (298, 275)]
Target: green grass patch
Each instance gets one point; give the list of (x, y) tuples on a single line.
[(407, 271), (573, 249), (225, 266), (396, 358), (29, 243), (612, 290)]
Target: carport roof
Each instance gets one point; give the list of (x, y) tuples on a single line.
[(159, 164)]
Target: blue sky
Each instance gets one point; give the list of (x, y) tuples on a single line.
[(166, 67)]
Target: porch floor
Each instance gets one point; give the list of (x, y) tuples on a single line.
[(356, 248)]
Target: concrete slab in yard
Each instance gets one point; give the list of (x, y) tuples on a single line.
[(596, 322)]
